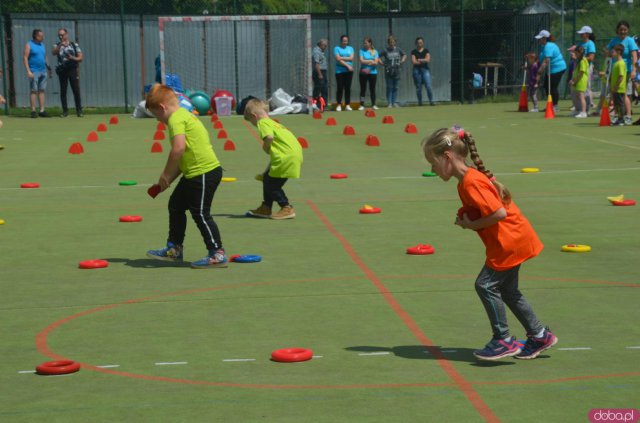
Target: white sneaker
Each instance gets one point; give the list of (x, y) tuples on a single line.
[(339, 108), (361, 108), (375, 107), (348, 107), (581, 115), (534, 110), (572, 109), (389, 106), (627, 120), (396, 105)]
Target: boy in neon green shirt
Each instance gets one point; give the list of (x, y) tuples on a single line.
[(579, 81), (192, 156), (286, 160), (618, 83)]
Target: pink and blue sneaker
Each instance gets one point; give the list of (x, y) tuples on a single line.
[(499, 348), (171, 252), (215, 259), (534, 346)]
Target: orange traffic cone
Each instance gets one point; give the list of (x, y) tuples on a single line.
[(548, 113), (523, 104), (605, 117)]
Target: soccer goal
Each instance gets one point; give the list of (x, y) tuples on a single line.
[(246, 55)]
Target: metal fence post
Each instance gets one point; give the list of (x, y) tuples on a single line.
[(462, 52), (124, 58), (4, 76)]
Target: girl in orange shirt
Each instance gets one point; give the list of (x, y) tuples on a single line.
[(508, 237)]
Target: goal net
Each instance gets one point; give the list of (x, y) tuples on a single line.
[(246, 55)]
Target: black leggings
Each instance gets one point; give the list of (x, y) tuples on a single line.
[(272, 190), (555, 82), (343, 81), (70, 77), (371, 79)]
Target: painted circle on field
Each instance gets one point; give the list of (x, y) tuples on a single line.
[(60, 367), (291, 355)]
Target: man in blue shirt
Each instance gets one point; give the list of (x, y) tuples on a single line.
[(37, 66)]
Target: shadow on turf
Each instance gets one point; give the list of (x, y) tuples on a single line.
[(147, 263), (421, 352)]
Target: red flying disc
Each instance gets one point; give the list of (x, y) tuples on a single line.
[(30, 185), (93, 264), (291, 355), (61, 367), (154, 190), (421, 249), (372, 210), (471, 212), (624, 203), (130, 218), (338, 176)]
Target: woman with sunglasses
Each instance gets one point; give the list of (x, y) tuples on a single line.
[(69, 57)]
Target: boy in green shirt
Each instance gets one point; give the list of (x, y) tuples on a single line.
[(286, 159), (192, 156), (618, 83)]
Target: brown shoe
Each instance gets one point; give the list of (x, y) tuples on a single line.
[(285, 213), (262, 211)]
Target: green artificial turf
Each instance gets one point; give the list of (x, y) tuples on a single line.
[(331, 280)]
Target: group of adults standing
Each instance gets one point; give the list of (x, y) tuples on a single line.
[(69, 55), (390, 59), (552, 65)]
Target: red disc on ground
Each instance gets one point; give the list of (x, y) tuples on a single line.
[(61, 367), (370, 210), (93, 264), (624, 203), (338, 176), (291, 355), (234, 257), (30, 185), (130, 218), (421, 250)]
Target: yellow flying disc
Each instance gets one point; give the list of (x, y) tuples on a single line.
[(529, 170), (229, 179), (576, 248), (1, 221), (616, 198)]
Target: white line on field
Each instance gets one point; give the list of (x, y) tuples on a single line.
[(239, 359), (634, 347), (172, 363), (600, 140), (109, 366), (316, 356), (574, 349), (449, 351), (376, 353), (26, 371)]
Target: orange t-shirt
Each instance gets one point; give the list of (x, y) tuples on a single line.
[(512, 240)]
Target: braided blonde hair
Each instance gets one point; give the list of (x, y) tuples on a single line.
[(462, 144)]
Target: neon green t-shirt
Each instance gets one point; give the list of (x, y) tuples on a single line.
[(619, 69), (198, 157), (582, 66), (286, 153)]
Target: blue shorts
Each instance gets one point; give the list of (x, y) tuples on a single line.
[(39, 82)]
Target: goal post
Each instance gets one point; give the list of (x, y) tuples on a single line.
[(246, 55)]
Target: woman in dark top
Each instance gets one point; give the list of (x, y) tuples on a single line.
[(420, 58)]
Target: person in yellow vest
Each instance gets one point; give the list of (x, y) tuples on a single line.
[(286, 160)]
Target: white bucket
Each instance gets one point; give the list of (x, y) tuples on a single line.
[(223, 106)]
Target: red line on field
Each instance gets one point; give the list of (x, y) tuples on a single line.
[(253, 132), (464, 385), (526, 278), (558, 380)]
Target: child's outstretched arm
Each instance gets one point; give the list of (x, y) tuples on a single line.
[(172, 168), (266, 143), (483, 222)]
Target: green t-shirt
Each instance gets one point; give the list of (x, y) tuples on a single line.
[(198, 157), (286, 153), (619, 69), (582, 66)]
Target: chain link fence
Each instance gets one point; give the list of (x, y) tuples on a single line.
[(120, 39)]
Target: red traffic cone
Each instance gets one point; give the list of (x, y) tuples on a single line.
[(161, 126), (93, 136), (523, 104), (605, 117), (370, 113), (410, 129), (114, 120), (158, 136), (348, 130), (102, 128), (331, 122), (372, 141), (303, 142), (76, 148), (317, 115), (549, 113), (217, 124), (387, 119), (229, 146), (222, 134), (214, 117), (156, 147)]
